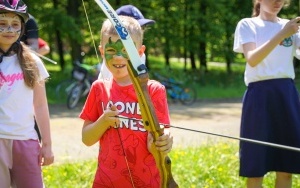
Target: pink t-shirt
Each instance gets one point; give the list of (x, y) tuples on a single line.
[(131, 136)]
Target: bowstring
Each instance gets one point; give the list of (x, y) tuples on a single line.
[(125, 156), (92, 36), (90, 28), (93, 39), (231, 137)]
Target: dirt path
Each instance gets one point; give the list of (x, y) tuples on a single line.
[(215, 117)]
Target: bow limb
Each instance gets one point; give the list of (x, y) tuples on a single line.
[(139, 76), (151, 124)]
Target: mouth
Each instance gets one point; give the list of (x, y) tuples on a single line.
[(119, 66), (8, 36)]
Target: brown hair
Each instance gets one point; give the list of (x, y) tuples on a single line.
[(256, 7), (28, 65), (26, 61)]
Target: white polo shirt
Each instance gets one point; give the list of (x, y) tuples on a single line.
[(279, 63)]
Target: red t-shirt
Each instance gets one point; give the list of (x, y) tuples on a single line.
[(112, 169)]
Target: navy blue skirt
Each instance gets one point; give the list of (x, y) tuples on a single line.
[(271, 113)]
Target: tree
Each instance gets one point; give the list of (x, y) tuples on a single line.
[(189, 29)]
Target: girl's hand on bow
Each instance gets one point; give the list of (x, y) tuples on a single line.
[(110, 117), (163, 144)]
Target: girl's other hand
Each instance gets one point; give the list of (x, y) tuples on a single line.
[(163, 143), (46, 156)]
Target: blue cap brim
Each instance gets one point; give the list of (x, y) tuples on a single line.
[(144, 21)]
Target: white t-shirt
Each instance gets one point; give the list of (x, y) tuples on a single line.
[(16, 100), (105, 73), (279, 63)]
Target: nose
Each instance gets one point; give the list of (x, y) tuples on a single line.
[(118, 57), (9, 29)]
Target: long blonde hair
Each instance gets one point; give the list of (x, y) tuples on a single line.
[(256, 7)]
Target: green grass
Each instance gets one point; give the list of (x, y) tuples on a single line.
[(207, 166)]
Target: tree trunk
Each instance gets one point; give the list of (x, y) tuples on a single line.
[(166, 35), (73, 11), (193, 60), (60, 50), (202, 43), (185, 59), (59, 43), (228, 52)]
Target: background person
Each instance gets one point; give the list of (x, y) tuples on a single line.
[(131, 11), (22, 97), (43, 48), (31, 34), (271, 104)]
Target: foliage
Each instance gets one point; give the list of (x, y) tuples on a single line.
[(183, 29), (214, 165), (214, 84)]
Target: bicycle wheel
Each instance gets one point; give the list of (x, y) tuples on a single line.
[(74, 95), (63, 89), (188, 95)]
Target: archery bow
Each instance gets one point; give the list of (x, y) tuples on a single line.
[(139, 76)]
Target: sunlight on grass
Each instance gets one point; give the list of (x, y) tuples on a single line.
[(206, 166)]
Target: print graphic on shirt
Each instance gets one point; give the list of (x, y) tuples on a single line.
[(155, 178), (10, 79), (131, 144), (287, 42), (104, 179), (130, 150), (127, 113), (135, 177)]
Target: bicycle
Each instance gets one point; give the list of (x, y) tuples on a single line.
[(176, 90), (78, 86)]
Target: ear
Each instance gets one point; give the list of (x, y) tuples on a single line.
[(142, 50), (101, 50)]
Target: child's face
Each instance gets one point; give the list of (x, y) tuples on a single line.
[(116, 57), (10, 28)]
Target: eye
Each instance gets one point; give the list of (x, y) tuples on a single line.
[(16, 25), (110, 50), (2, 23)]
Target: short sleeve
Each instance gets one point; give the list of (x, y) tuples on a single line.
[(297, 40), (244, 33), (42, 69), (159, 99), (92, 110)]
